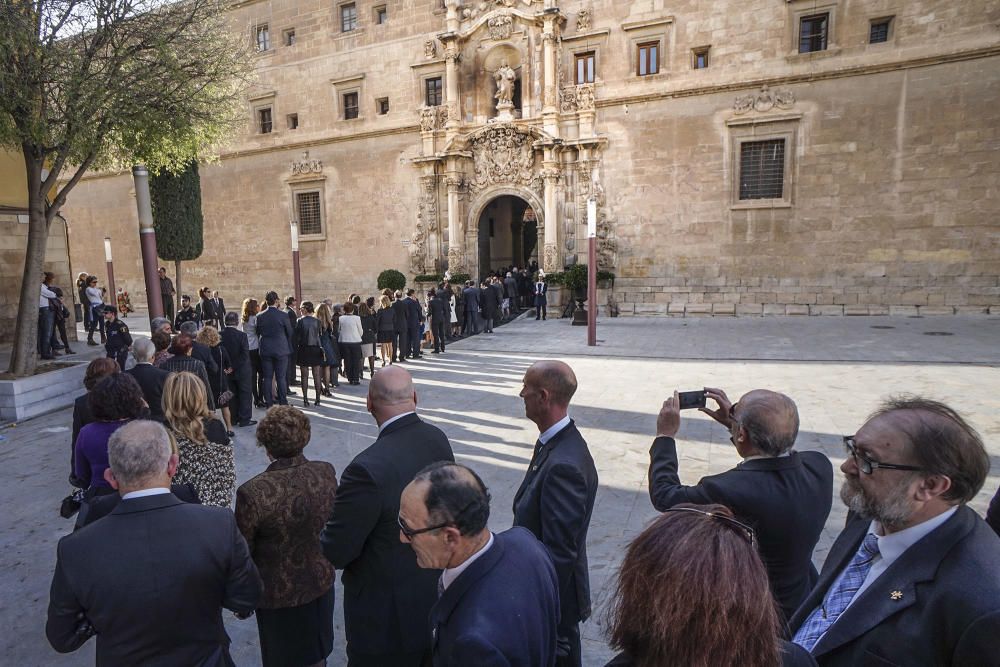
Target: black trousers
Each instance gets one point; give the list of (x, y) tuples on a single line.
[(255, 376), (438, 331), (352, 361), (241, 383), (275, 369), (539, 311), (400, 345), (413, 336), (290, 371), (168, 307), (575, 657)]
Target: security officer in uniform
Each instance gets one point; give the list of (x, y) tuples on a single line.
[(119, 339), (185, 314)]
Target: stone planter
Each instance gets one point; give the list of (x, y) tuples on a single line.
[(555, 298), (45, 392)]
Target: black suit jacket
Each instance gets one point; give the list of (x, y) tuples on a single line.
[(489, 300), (438, 309), (502, 610), (98, 507), (152, 578), (555, 502), (415, 312), (275, 332), (787, 501), (402, 312), (471, 295), (151, 380), (387, 597), (203, 353), (237, 347), (937, 604)]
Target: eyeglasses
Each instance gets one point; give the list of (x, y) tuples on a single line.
[(411, 533), (866, 464), (744, 530)]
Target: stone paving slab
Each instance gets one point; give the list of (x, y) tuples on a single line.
[(471, 393)]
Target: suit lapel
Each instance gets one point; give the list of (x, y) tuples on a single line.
[(443, 608), (538, 460), (895, 589)]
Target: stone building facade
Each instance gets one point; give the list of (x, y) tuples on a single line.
[(755, 157)]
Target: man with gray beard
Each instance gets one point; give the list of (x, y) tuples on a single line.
[(913, 579)]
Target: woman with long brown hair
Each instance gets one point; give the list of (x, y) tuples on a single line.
[(693, 591), (249, 320), (331, 351)]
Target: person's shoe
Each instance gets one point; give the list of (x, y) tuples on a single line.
[(91, 341), (435, 351), (69, 351), (48, 357), (537, 318), (231, 434), (252, 422), (305, 402), (316, 402)]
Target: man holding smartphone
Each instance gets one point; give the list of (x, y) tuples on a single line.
[(783, 494)]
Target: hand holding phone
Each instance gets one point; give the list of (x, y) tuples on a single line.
[(668, 422), (692, 399)]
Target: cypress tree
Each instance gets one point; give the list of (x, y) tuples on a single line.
[(177, 218)]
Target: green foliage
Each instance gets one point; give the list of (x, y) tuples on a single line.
[(606, 276), (177, 216), (392, 279), (460, 278), (427, 278), (576, 277)]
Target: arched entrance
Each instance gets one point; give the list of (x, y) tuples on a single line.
[(508, 234)]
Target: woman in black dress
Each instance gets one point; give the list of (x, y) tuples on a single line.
[(218, 382), (385, 325), (308, 350), (368, 327)]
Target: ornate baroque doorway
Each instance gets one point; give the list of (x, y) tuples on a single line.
[(508, 234)]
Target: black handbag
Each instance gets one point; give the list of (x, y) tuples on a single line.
[(71, 504)]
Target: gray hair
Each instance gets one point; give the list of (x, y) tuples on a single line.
[(771, 421), (138, 452), (190, 328), (158, 323), (143, 349)]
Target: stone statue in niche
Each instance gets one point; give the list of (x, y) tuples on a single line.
[(583, 20), (430, 49), (505, 77)]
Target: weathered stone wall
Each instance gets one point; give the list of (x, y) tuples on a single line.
[(892, 193)]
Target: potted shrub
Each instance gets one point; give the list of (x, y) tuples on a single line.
[(392, 279)]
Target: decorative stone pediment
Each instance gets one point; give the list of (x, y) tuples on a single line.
[(502, 153), (764, 100)]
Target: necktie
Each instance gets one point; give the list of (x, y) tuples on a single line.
[(838, 597), (441, 585)]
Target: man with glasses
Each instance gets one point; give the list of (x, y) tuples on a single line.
[(784, 495), (499, 595), (914, 578), (387, 596)]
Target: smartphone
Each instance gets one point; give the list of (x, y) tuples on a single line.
[(692, 399)]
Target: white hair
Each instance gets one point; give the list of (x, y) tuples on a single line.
[(139, 451), (143, 349)]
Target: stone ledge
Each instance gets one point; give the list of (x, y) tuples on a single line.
[(46, 392), (826, 310), (796, 309)]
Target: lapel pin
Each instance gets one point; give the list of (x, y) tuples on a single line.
[(896, 595)]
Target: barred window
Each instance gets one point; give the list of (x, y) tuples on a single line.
[(762, 169), (350, 106), (348, 17), (264, 124), (310, 214), (879, 31), (432, 92), (813, 33)]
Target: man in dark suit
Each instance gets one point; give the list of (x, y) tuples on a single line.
[(293, 317), (489, 301), (274, 331), (500, 599), (151, 578), (200, 351), (101, 505), (150, 378), (783, 494), (556, 498), (237, 347), (440, 316), (387, 597), (415, 317), (471, 294), (913, 578), (400, 337), (541, 296)]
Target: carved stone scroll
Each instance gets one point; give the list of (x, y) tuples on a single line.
[(503, 155), (764, 100)]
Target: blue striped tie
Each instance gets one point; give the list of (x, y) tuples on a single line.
[(840, 596)]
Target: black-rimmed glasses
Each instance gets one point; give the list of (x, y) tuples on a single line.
[(411, 533), (743, 529), (867, 464)]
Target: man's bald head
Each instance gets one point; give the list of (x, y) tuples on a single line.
[(771, 421), (555, 377), (391, 393)]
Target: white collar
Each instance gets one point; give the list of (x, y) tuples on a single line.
[(551, 431), (142, 493), (393, 419), (765, 456), (449, 576), (892, 546)]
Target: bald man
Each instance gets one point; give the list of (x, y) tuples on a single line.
[(784, 495), (387, 596), (556, 498)]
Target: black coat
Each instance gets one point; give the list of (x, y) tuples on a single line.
[(151, 379), (152, 578), (385, 320), (489, 301), (792, 655), (555, 502), (203, 353), (387, 597), (402, 312), (937, 604), (471, 295), (786, 500), (415, 314), (275, 332), (99, 506), (992, 513), (438, 310), (237, 347), (502, 610)]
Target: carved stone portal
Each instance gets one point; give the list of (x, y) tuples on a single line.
[(503, 155)]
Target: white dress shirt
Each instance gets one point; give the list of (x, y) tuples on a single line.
[(393, 419), (142, 493), (448, 576), (43, 300), (551, 431)]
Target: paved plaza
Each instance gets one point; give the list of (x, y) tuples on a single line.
[(835, 368)]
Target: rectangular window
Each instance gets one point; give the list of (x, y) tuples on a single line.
[(381, 15), (293, 121), (350, 106), (307, 205), (762, 169), (290, 37), (813, 33), (648, 58), (263, 38), (879, 31), (264, 120), (700, 58), (585, 68), (432, 92), (382, 104), (348, 17)]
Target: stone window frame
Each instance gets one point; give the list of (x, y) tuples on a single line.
[(378, 106), (288, 37), (645, 32), (890, 39), (262, 46), (431, 73), (427, 92), (764, 128), (259, 103), (377, 12), (578, 54), (340, 17), (344, 86), (292, 121), (800, 9), (701, 51), (306, 186)]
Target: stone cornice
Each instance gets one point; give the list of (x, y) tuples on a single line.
[(652, 23), (592, 34)]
